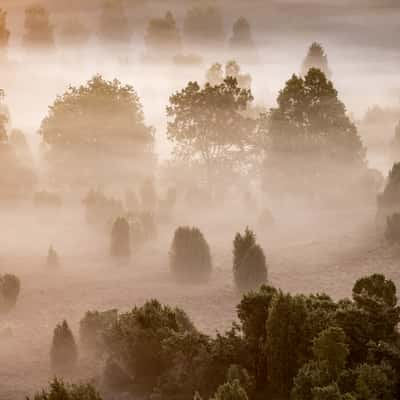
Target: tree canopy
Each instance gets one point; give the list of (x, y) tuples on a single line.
[(95, 133)]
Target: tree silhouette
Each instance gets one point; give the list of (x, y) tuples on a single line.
[(316, 58), (120, 239), (114, 23), (310, 140), (216, 75), (9, 292), (249, 264), (162, 37), (64, 352), (4, 34), (96, 133), (208, 127), (38, 31), (190, 258), (242, 37)]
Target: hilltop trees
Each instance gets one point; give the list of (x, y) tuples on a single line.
[(316, 58), (310, 140), (162, 38), (95, 133), (64, 352), (242, 41), (38, 30), (9, 292), (203, 25), (190, 258), (120, 239), (249, 264), (208, 128), (114, 23), (4, 34)]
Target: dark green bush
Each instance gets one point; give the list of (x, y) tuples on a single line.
[(190, 258)]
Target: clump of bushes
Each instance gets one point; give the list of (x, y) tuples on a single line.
[(59, 390), (249, 263), (392, 232), (64, 352), (9, 291), (120, 239), (93, 326), (190, 257)]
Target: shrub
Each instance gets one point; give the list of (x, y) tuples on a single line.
[(93, 326), (64, 352), (190, 258), (9, 291), (59, 390), (392, 232), (120, 239), (249, 264)]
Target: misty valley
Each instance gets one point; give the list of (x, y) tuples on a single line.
[(199, 200)]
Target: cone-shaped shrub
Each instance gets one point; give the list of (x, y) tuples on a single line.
[(190, 258), (249, 263), (64, 352), (120, 238), (9, 291)]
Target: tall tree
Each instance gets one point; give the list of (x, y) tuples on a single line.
[(208, 127), (95, 133), (310, 140), (38, 30), (4, 34), (242, 36), (316, 58)]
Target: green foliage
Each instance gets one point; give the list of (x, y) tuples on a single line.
[(64, 352), (38, 30), (96, 125), (249, 263), (59, 390), (93, 327), (9, 291), (316, 58), (190, 258), (120, 239), (207, 126), (136, 340), (392, 232)]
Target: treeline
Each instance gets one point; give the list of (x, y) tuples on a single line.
[(284, 346)]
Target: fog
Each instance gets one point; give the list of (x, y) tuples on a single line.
[(321, 242)]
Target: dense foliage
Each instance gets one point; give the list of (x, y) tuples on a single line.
[(190, 258)]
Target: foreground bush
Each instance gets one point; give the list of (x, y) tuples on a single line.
[(59, 390), (120, 239), (392, 232), (64, 352), (249, 263), (190, 258), (9, 291)]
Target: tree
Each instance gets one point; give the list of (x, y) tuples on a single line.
[(230, 391), (330, 346), (4, 34), (96, 134), (64, 352), (242, 37), (389, 199), (136, 340), (310, 140), (120, 238), (316, 58), (162, 37), (208, 127), (9, 291), (190, 258), (216, 75), (59, 390), (203, 25), (38, 30), (249, 263), (114, 23), (286, 341)]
